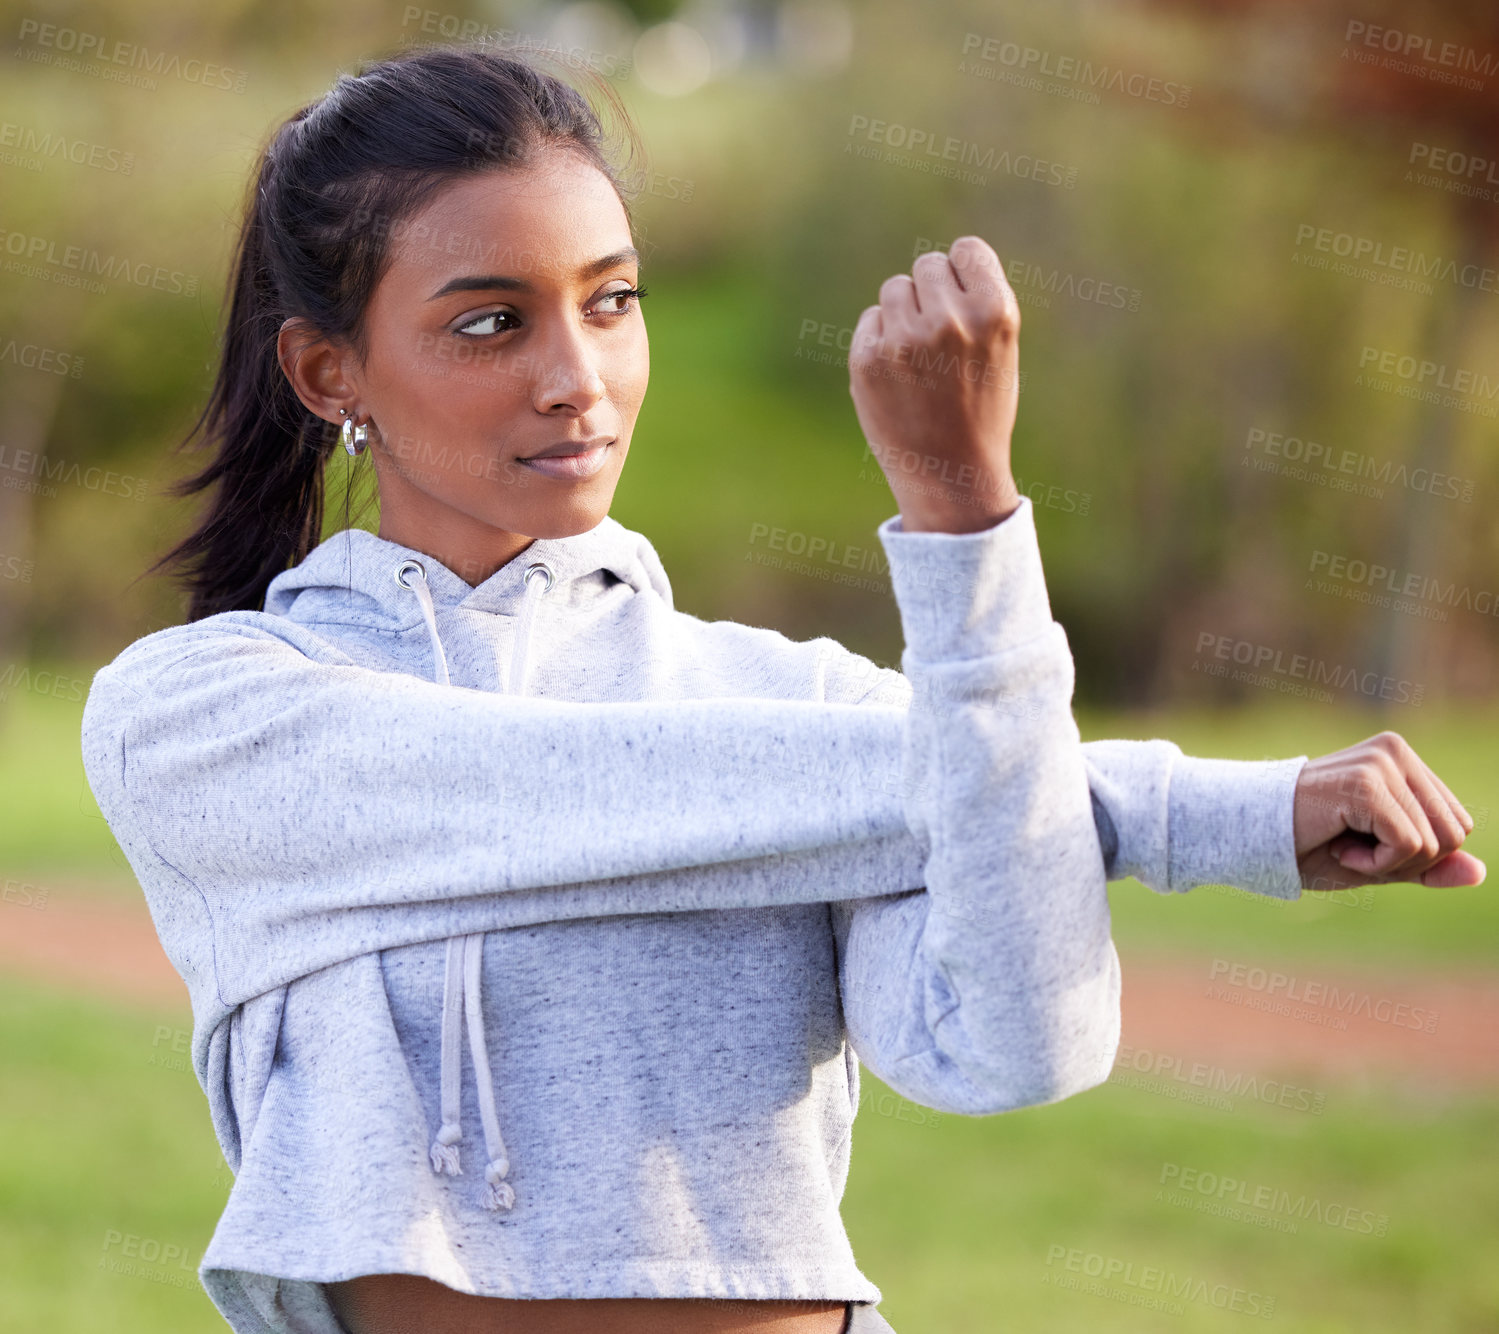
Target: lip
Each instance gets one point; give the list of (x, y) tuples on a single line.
[(564, 447), (571, 460)]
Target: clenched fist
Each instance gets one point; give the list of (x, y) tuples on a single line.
[(1374, 814), (933, 370)]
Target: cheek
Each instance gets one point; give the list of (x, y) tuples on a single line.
[(439, 369), (630, 371), (445, 405), (448, 380)]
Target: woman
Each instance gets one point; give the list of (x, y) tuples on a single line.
[(475, 775)]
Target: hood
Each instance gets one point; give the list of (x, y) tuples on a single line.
[(350, 577), (358, 578)]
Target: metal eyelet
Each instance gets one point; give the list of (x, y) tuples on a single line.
[(544, 568), (406, 565)]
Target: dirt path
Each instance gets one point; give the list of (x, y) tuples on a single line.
[(1436, 1030), (89, 939), (1440, 1029)]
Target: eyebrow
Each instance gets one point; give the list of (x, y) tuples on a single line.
[(477, 282)]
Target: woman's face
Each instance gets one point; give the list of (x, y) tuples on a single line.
[(504, 325)]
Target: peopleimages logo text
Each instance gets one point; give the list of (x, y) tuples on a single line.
[(1395, 258), (79, 45)]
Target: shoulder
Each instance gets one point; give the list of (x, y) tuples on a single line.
[(150, 664)]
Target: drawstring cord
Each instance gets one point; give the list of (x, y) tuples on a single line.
[(444, 1150), (429, 614), (465, 954)]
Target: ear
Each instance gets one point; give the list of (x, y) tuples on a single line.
[(317, 369)]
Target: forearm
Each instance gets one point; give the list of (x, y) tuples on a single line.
[(1170, 820), (278, 799), (1175, 821), (289, 803), (998, 987)]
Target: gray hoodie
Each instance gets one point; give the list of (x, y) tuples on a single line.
[(670, 876)]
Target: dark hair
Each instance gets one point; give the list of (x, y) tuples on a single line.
[(374, 147)]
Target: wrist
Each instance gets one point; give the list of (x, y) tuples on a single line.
[(959, 513), (960, 595)]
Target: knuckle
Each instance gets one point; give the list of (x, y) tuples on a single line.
[(1369, 786), (973, 252), (992, 317), (1406, 846), (1447, 825)]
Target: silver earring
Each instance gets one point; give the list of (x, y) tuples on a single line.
[(353, 438)]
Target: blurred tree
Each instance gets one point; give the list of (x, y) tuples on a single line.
[(1405, 73), (651, 11)]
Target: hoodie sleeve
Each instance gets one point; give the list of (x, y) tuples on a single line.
[(1172, 821), (285, 810), (998, 987), (1175, 821)]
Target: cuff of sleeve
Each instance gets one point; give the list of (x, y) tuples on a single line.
[(1232, 823), (960, 594)]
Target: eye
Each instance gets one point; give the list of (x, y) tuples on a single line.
[(629, 295), (490, 318)]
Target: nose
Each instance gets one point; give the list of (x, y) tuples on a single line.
[(567, 380)]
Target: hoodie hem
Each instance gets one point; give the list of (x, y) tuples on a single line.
[(256, 1302)]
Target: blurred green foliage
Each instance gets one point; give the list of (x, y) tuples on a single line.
[(1193, 211)]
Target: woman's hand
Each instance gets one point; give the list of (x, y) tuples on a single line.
[(1375, 814), (933, 370)]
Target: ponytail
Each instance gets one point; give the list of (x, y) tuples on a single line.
[(267, 506), (373, 148)]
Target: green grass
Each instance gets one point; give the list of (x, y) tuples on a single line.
[(106, 1137), (956, 1220), (52, 826), (953, 1217)]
